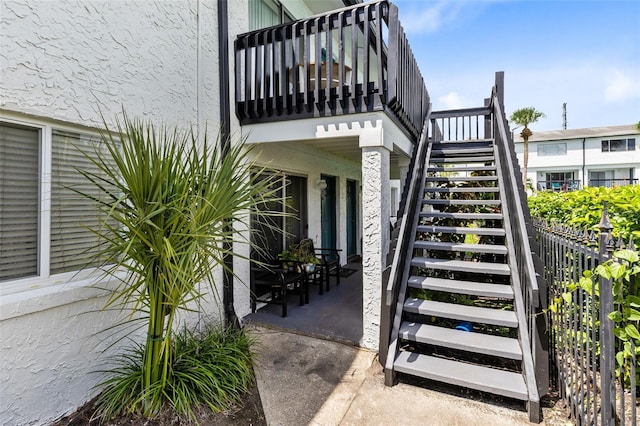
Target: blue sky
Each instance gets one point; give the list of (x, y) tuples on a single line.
[(585, 53)]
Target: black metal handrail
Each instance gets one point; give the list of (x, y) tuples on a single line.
[(350, 60), (526, 265)]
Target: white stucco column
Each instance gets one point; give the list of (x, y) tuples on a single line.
[(403, 166), (376, 198)]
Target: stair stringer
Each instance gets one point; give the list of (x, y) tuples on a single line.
[(389, 369), (528, 369)]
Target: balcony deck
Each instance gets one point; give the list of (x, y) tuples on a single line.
[(352, 60)]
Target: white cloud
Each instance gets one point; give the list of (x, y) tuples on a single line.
[(452, 100), (426, 18), (621, 87)]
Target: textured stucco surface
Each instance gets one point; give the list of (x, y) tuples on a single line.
[(72, 60), (375, 234), (48, 374)]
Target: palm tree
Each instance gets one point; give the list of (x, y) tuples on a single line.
[(167, 200), (524, 117)]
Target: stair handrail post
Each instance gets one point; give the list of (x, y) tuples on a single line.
[(607, 343)]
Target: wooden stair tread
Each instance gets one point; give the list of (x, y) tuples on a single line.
[(465, 216), (461, 265), (455, 159), (485, 379), (443, 149), (465, 142), (460, 178), (461, 312), (460, 159), (434, 229), (459, 189), (488, 344), (448, 202), (462, 169), (472, 248), (472, 288)]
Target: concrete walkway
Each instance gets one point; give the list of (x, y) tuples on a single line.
[(309, 381)]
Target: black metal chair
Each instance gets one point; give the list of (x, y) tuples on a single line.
[(271, 284), (316, 277), (329, 259)]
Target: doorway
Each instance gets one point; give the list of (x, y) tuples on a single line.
[(275, 233), (328, 212), (352, 218)]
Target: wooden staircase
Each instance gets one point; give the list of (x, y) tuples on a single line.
[(458, 321)]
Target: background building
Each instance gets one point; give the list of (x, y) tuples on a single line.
[(564, 160)]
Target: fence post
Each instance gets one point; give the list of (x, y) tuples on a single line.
[(607, 349)]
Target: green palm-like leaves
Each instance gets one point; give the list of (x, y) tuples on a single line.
[(168, 201), (524, 117)]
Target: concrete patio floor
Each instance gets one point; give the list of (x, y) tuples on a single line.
[(309, 381), (337, 314), (310, 371)]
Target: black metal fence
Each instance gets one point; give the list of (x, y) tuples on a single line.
[(596, 390)]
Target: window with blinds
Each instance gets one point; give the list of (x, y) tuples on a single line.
[(73, 245), (266, 13), (19, 200)]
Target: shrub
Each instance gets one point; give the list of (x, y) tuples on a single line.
[(213, 368), (169, 198), (583, 208)]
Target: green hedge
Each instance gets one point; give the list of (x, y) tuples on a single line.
[(582, 209)]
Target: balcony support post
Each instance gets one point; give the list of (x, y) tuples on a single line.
[(376, 209)]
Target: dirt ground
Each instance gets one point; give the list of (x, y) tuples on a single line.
[(247, 413)]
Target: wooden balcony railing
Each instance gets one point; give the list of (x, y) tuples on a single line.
[(351, 60)]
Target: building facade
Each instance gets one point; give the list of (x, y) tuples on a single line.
[(67, 69), (564, 160)]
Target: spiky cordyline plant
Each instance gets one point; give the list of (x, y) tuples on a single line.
[(167, 200)]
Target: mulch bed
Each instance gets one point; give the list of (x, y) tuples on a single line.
[(248, 413)]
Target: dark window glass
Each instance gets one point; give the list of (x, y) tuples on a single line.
[(617, 145)]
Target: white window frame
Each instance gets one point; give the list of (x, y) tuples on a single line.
[(44, 278), (626, 141), (542, 149)]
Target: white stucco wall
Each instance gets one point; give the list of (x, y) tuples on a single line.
[(51, 344), (72, 61), (67, 63)]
